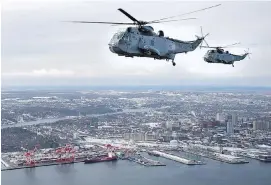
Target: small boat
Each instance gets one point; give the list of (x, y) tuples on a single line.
[(153, 154)]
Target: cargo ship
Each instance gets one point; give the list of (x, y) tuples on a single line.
[(98, 159)]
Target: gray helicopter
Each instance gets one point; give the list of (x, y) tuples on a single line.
[(140, 40), (219, 55)]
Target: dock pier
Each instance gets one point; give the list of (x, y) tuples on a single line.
[(4, 163), (217, 156), (145, 161), (177, 158)]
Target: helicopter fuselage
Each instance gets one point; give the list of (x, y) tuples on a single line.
[(215, 56), (144, 42)]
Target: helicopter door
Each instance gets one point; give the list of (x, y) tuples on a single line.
[(147, 44), (161, 45)]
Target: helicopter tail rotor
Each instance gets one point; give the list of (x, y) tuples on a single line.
[(247, 53), (203, 38)]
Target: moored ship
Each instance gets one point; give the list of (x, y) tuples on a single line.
[(108, 158)]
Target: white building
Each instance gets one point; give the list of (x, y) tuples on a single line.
[(134, 136), (173, 143), (219, 117)]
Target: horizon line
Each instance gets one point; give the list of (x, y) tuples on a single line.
[(138, 87)]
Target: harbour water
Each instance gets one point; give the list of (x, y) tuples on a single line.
[(51, 120), (130, 173)]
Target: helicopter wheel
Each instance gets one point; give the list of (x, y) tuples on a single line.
[(173, 63), (232, 65)]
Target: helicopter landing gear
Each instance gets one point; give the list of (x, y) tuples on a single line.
[(173, 63), (232, 65)]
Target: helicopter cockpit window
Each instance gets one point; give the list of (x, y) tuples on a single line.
[(116, 37), (126, 37), (120, 35)]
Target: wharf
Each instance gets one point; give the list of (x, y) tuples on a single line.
[(264, 158), (4, 163), (40, 165), (219, 157), (145, 161), (177, 158)]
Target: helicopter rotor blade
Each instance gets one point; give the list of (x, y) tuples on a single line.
[(184, 13), (220, 47), (129, 16), (206, 42), (170, 20), (116, 23), (207, 47), (230, 45)]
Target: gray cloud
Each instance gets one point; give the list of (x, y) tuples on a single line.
[(37, 48)]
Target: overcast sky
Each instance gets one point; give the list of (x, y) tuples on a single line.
[(39, 49)]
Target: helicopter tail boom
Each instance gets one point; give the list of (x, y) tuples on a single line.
[(184, 47)]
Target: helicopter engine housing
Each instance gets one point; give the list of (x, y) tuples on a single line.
[(161, 33), (147, 28)]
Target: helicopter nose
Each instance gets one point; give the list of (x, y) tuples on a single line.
[(114, 49), (206, 59)]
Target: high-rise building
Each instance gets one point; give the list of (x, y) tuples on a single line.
[(261, 125), (234, 119), (94, 122), (74, 135), (230, 129), (255, 125)]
